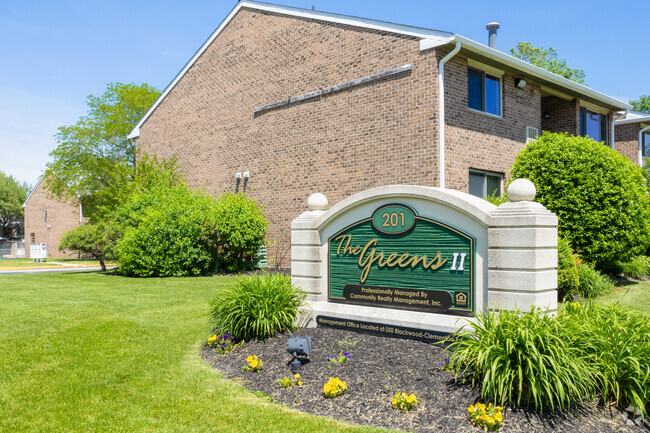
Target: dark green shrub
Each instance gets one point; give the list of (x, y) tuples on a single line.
[(568, 279), (165, 234), (592, 283), (617, 343), (240, 230), (523, 359), (90, 239), (257, 307), (600, 197)]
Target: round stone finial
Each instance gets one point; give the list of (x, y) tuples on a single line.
[(522, 190), (317, 201)]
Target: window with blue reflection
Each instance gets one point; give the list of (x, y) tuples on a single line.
[(646, 144), (593, 125), (483, 92)]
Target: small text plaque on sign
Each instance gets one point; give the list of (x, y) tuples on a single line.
[(397, 259)]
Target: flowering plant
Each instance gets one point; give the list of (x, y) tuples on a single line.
[(341, 358), (334, 387), (221, 343), (287, 383), (404, 402), (489, 417), (444, 364), (254, 364)]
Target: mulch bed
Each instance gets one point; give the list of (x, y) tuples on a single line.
[(380, 367)]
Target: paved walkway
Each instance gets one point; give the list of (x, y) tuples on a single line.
[(44, 270)]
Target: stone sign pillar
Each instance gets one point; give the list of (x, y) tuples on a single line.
[(522, 254), (418, 262)]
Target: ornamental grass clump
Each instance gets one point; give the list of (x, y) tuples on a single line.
[(617, 343), (334, 387), (258, 307), (404, 401), (489, 417), (254, 364), (523, 359)]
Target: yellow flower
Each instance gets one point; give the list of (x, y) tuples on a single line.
[(471, 408), (249, 358), (394, 402), (498, 417), (410, 398), (297, 376)]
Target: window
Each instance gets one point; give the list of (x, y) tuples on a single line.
[(593, 125), (484, 184), (645, 139), (483, 92)]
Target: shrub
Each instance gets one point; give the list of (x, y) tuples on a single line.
[(591, 282), (166, 233), (600, 197), (90, 239), (617, 343), (240, 229), (525, 359), (638, 267), (258, 307), (568, 279)]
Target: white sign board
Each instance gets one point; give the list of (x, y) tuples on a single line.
[(37, 251)]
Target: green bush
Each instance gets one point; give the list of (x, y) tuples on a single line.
[(638, 267), (617, 343), (600, 197), (91, 239), (568, 279), (166, 233), (524, 359), (257, 307), (592, 283), (240, 229)]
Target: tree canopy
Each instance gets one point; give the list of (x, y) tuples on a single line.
[(95, 153), (547, 58), (642, 104), (12, 196)]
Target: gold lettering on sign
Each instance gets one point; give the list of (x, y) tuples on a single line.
[(368, 256)]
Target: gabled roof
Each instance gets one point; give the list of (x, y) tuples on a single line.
[(633, 117), (428, 39), (40, 179)]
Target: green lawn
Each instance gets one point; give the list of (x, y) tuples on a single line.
[(632, 295), (87, 352)]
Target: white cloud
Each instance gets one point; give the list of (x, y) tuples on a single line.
[(28, 123)]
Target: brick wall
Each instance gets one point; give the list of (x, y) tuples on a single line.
[(627, 140), (61, 217), (565, 115), (480, 141), (376, 134)]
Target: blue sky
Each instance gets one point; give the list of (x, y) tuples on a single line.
[(53, 54)]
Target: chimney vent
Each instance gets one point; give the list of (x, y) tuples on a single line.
[(492, 34)]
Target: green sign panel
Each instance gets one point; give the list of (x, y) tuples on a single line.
[(397, 259)]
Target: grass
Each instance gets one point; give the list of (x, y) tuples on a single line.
[(51, 263), (88, 352), (631, 295)]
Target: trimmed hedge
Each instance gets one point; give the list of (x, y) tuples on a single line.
[(600, 197)]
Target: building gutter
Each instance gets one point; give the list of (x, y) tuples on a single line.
[(441, 111), (641, 144)]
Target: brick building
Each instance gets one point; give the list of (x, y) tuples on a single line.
[(632, 133), (47, 219), (282, 102)]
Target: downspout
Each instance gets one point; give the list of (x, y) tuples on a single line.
[(614, 119), (641, 144), (441, 110)]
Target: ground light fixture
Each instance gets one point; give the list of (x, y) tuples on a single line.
[(300, 348)]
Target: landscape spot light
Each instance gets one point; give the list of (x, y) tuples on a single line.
[(520, 82), (238, 176), (300, 348), (547, 115)]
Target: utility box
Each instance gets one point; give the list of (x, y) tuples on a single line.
[(38, 251)]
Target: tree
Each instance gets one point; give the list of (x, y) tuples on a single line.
[(546, 58), (89, 239), (599, 196), (642, 104), (94, 153), (12, 196)]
